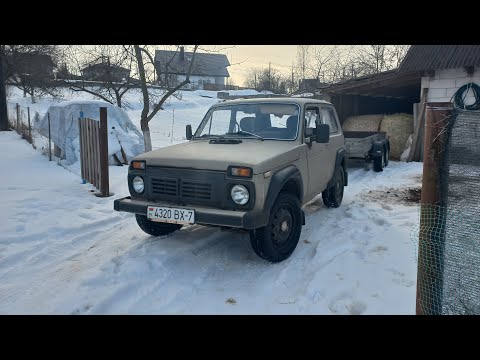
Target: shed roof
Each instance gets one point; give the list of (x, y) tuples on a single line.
[(436, 57), (390, 83)]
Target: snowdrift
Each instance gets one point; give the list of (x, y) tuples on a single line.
[(122, 133)]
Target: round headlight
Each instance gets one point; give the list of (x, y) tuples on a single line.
[(240, 194), (138, 184)]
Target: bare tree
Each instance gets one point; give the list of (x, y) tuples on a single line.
[(31, 68), (303, 60), (147, 70), (268, 78), (109, 67), (3, 93)]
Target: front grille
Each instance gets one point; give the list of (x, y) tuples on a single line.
[(194, 190), (186, 186), (164, 186)]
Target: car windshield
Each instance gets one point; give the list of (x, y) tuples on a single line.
[(263, 121)]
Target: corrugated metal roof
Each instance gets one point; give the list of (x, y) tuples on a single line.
[(436, 57), (204, 63)]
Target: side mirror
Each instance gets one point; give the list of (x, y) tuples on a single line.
[(189, 132), (322, 133)]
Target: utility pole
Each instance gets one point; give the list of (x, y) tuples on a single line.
[(3, 95), (292, 86), (255, 81), (270, 76)]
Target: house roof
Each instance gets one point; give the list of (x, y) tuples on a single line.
[(204, 63), (314, 83), (104, 65), (436, 57), (30, 62)]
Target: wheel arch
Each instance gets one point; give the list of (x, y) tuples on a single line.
[(288, 179), (340, 160)]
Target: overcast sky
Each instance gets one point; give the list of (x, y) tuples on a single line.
[(281, 57)]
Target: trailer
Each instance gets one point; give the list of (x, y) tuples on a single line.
[(370, 146)]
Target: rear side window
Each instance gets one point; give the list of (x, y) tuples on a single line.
[(328, 117)]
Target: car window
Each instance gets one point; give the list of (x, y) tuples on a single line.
[(328, 117), (312, 117)]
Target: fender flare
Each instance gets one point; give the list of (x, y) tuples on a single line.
[(341, 155), (279, 179)]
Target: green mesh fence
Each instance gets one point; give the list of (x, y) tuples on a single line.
[(447, 238)]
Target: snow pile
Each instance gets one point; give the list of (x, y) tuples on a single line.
[(407, 150), (122, 133)]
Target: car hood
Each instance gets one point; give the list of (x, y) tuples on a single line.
[(261, 156)]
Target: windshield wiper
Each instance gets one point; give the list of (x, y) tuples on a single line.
[(243, 132), (210, 135)]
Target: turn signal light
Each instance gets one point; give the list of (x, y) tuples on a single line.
[(138, 165), (241, 172)]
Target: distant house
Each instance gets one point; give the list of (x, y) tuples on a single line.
[(105, 71), (311, 85), (37, 65), (207, 68)]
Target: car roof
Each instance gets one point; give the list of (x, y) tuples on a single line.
[(289, 100)]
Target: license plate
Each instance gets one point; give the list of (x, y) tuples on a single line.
[(171, 215)]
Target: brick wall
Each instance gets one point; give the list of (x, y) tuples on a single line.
[(446, 82)]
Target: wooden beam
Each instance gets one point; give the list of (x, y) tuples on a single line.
[(420, 124)]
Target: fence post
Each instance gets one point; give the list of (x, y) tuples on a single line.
[(17, 127), (104, 186), (431, 240), (29, 127), (49, 139)]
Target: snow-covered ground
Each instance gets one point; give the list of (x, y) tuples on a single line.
[(65, 251)]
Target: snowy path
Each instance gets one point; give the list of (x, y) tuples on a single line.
[(63, 250)]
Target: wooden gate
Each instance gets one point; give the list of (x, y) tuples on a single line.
[(93, 137)]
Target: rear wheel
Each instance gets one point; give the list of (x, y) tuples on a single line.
[(333, 196), (385, 162), (379, 162), (277, 240), (155, 228)]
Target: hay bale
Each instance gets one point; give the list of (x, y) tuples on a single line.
[(398, 128), (363, 123)]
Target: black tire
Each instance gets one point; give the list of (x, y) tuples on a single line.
[(378, 163), (387, 154), (333, 196), (156, 228), (277, 240)]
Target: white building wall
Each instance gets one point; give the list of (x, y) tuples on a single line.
[(195, 79), (445, 83)]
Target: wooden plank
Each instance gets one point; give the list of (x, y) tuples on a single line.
[(89, 151), (94, 154), (81, 148), (104, 186), (84, 155), (420, 125), (117, 160), (125, 160)]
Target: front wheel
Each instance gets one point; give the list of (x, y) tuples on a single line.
[(156, 228), (333, 196), (277, 240)]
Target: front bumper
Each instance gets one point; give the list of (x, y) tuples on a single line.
[(205, 216)]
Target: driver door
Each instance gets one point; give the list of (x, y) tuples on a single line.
[(317, 154)]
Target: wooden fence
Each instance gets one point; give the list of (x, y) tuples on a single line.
[(93, 136)]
